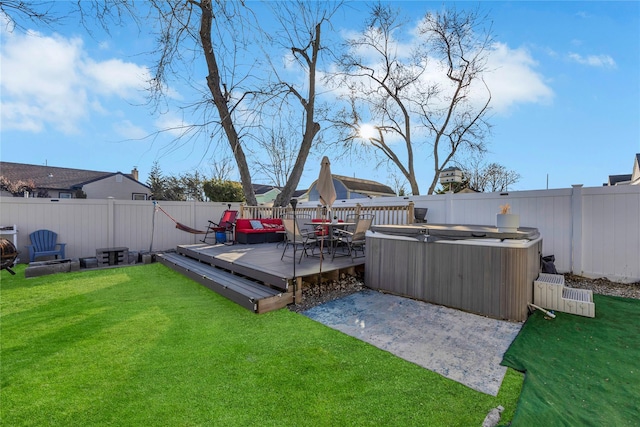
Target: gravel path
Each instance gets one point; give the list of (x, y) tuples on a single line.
[(604, 286), (319, 294)]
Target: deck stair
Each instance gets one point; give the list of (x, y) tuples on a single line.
[(250, 294), (550, 292)]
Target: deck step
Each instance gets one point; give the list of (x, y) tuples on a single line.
[(550, 292), (245, 292)]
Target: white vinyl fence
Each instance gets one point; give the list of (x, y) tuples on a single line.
[(88, 224), (593, 232)]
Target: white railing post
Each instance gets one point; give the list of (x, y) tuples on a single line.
[(576, 229)]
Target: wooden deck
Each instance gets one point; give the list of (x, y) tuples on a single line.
[(253, 275)]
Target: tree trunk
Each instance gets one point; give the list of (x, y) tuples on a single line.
[(311, 127), (220, 101)]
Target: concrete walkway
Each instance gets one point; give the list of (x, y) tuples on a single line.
[(464, 347)]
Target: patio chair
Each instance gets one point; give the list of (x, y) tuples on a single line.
[(227, 222), (302, 218), (353, 240), (294, 236), (45, 243)]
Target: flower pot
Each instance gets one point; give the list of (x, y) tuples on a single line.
[(507, 223)]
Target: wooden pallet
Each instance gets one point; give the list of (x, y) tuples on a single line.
[(245, 292), (550, 292)]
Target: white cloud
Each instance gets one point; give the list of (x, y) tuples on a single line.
[(49, 81), (593, 60), (173, 125), (514, 79), (115, 77), (128, 130)]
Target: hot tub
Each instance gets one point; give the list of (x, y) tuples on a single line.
[(473, 268)]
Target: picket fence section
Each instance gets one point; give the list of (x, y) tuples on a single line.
[(593, 232)]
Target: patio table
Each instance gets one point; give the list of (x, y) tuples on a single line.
[(330, 226)]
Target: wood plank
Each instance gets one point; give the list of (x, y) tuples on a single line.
[(249, 294)]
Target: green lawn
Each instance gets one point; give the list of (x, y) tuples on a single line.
[(146, 346)]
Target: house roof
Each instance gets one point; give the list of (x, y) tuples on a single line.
[(615, 179), (263, 189), (364, 185), (632, 178), (52, 177)]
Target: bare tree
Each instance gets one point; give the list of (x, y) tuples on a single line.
[(221, 32), (489, 177), (221, 168), (15, 14), (396, 89), (274, 154), (239, 92), (300, 33), (399, 184), (212, 29)]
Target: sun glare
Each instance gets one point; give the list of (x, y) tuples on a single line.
[(367, 131)]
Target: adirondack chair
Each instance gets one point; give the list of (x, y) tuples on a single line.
[(44, 243)]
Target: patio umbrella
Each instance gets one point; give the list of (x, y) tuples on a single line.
[(327, 193), (325, 186)]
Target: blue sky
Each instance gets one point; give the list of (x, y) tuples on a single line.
[(566, 96)]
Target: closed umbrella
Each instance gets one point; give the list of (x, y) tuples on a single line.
[(327, 193), (325, 186)]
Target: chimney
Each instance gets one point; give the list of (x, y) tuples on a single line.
[(134, 173)]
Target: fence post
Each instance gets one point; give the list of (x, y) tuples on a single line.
[(576, 229), (111, 222), (448, 207), (410, 213)]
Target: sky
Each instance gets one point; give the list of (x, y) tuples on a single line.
[(565, 86)]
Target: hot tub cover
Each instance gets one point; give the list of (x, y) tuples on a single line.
[(456, 231)]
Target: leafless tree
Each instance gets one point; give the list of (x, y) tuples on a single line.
[(399, 184), (300, 34), (15, 14), (417, 97), (221, 168), (210, 29), (274, 152), (489, 177), (232, 102)]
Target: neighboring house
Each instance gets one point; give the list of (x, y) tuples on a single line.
[(66, 183), (266, 194), (354, 188), (627, 179), (301, 195)]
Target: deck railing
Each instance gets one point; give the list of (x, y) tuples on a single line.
[(383, 214)]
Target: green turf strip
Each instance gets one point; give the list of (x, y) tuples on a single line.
[(580, 371), (145, 346)]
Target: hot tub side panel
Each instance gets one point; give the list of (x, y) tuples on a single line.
[(494, 281), (395, 266)]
